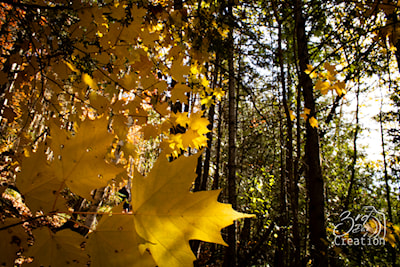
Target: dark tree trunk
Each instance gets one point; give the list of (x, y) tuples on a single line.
[(292, 183), (314, 179), (230, 259), (211, 113), (281, 252)]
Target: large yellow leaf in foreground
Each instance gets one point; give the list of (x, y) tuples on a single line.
[(78, 164), (79, 160), (167, 215)]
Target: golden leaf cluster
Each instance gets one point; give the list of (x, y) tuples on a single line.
[(327, 81), (87, 98)]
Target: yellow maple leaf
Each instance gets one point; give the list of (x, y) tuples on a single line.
[(120, 126), (71, 66), (292, 116), (205, 82), (179, 70), (114, 242), (310, 71), (331, 69), (37, 182), (313, 122), (323, 86), (80, 159), (340, 88), (199, 123), (388, 231), (99, 102), (194, 69), (181, 118), (167, 224), (178, 93), (162, 108), (150, 131), (78, 164), (208, 101), (218, 93), (306, 113), (57, 249), (192, 137)]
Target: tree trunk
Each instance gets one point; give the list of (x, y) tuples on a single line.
[(353, 166), (314, 179), (292, 183), (230, 259), (281, 252), (211, 114)]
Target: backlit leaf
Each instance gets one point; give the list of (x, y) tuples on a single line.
[(310, 72), (323, 86), (313, 122), (58, 249), (79, 160), (89, 81), (115, 243), (178, 93), (167, 224), (39, 184)]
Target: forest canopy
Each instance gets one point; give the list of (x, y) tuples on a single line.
[(205, 133)]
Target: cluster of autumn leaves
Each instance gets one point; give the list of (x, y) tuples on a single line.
[(86, 114), (76, 122)]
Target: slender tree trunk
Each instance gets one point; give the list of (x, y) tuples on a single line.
[(211, 114), (218, 148), (281, 252), (386, 175), (353, 166), (314, 179), (296, 227), (231, 251), (387, 186), (292, 183)]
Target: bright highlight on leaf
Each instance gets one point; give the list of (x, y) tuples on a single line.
[(71, 67), (89, 81)]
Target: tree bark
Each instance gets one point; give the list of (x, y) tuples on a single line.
[(218, 148), (230, 259), (211, 114), (353, 166), (314, 179)]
